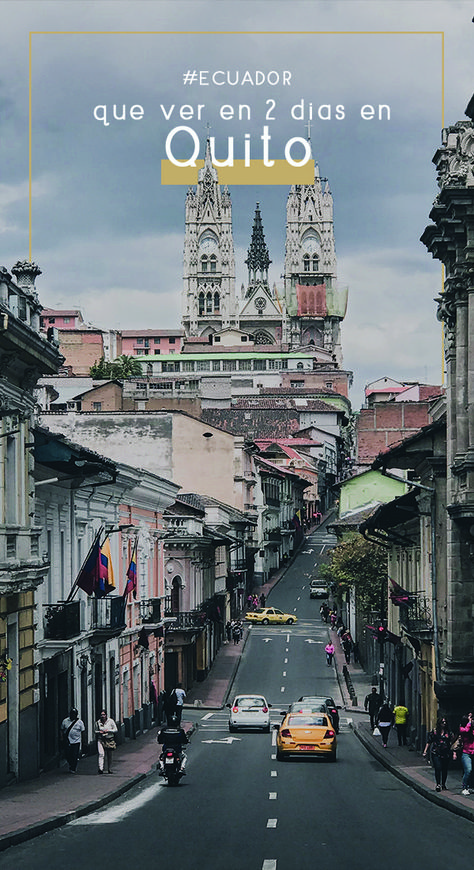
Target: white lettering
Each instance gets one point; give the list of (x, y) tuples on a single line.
[(169, 139)]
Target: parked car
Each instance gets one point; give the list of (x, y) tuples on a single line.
[(306, 734), (265, 615), (318, 589), (329, 705), (249, 711)]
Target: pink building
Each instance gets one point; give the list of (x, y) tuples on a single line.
[(147, 342), (61, 319)]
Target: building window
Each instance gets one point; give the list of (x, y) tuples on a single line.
[(157, 340), (66, 319), (229, 365), (52, 320), (245, 365), (139, 340), (188, 366), (170, 340), (97, 406), (203, 365), (306, 262), (213, 263), (296, 384), (11, 546), (315, 263), (201, 303), (243, 337), (217, 303), (259, 365), (329, 385), (208, 303), (204, 263), (216, 365)]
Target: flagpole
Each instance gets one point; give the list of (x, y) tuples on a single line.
[(74, 586), (133, 554)]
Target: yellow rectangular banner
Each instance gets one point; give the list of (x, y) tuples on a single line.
[(257, 173)]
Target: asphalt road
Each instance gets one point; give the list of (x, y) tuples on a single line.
[(240, 809)]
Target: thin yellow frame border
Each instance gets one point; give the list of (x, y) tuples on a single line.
[(199, 33)]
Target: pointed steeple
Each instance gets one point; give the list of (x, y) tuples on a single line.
[(258, 259)]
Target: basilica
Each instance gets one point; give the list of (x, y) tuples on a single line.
[(308, 312)]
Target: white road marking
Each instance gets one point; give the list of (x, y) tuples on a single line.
[(208, 716), (272, 795), (116, 814), (284, 674), (272, 823), (282, 689), (285, 662), (273, 756), (273, 773), (274, 740), (287, 637), (299, 598), (228, 740), (269, 864), (266, 639)]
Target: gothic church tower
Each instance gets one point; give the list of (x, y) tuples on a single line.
[(260, 315), (209, 303), (315, 306)]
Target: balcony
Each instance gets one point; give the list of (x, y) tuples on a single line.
[(193, 620), (150, 611), (107, 617), (62, 621), (416, 617)]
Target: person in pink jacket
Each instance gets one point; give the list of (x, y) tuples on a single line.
[(329, 650), (466, 734)]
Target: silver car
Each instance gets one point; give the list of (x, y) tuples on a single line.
[(249, 711)]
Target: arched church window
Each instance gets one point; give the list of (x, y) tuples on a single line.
[(204, 263), (306, 262), (299, 366), (262, 338), (209, 303), (201, 303), (175, 594), (213, 263), (315, 263), (217, 303)]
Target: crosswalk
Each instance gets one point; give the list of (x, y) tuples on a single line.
[(217, 723)]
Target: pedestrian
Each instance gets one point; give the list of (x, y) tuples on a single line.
[(355, 652), (401, 714), (250, 602), (180, 695), (329, 650), (105, 729), (255, 602), (347, 647), (236, 632), (169, 706), (72, 728), (332, 618), (324, 611), (228, 630), (439, 745), (372, 703), (385, 722), (466, 734), (262, 600)]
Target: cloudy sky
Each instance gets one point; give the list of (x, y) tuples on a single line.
[(108, 235)]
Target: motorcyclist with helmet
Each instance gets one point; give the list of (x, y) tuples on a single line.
[(173, 737)]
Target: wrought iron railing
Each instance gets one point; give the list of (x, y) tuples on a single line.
[(416, 616), (108, 614), (62, 621)]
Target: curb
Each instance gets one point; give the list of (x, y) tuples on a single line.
[(24, 834), (431, 795)]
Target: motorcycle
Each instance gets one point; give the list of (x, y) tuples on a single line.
[(172, 766)]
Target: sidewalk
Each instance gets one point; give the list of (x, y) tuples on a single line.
[(57, 797), (405, 763)]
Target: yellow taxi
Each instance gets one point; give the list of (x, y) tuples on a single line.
[(306, 734), (267, 615)]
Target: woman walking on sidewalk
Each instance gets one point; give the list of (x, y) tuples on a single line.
[(466, 734), (105, 730), (385, 722), (439, 743)]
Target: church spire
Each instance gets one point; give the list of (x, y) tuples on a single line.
[(258, 259)]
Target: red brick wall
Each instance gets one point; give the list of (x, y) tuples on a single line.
[(387, 423)]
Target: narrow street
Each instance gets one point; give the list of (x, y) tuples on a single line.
[(240, 809)]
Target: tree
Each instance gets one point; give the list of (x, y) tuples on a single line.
[(126, 367), (359, 564), (123, 367), (101, 370)]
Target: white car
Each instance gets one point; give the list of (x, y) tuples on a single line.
[(249, 711)]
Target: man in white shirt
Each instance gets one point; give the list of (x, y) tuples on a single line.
[(71, 731), (180, 696)]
